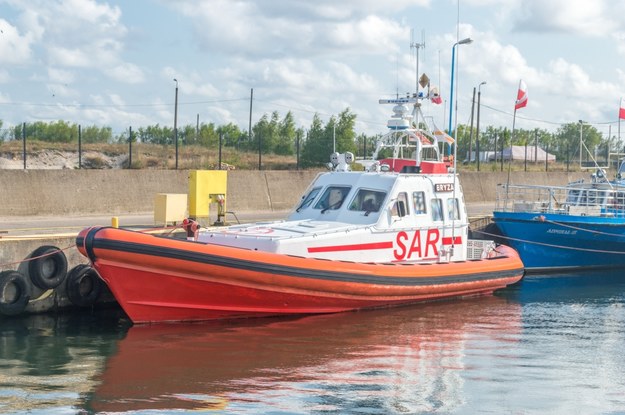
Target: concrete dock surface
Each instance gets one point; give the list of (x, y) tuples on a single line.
[(33, 226)]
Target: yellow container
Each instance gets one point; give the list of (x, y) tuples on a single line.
[(170, 208)]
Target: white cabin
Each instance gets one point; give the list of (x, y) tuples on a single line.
[(401, 210)]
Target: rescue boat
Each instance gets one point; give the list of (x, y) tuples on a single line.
[(393, 234)]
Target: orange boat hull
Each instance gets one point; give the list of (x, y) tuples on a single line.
[(157, 279)]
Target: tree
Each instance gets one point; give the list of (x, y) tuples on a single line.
[(345, 134), (321, 139), (569, 135), (315, 145), (232, 134), (155, 134), (286, 135), (94, 134), (264, 131)]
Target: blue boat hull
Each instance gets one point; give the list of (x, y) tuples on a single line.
[(550, 242)]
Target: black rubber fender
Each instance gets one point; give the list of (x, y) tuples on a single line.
[(15, 292), (49, 268), (84, 285)]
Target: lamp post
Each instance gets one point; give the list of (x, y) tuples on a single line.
[(581, 130), (477, 127), (176, 122), (451, 87)]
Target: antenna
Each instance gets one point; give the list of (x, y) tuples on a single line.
[(414, 45)]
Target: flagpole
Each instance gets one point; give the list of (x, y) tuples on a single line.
[(621, 148), (510, 158), (521, 101)]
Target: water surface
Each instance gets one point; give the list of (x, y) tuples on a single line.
[(550, 344)]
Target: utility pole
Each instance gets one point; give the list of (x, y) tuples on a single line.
[(249, 131), (471, 131), (176, 122), (477, 127)]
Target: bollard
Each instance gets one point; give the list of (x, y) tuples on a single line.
[(115, 222)]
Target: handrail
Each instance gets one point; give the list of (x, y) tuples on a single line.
[(582, 199)]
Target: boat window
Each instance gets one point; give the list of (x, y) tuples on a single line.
[(619, 200), (418, 200), (453, 211), (572, 196), (591, 197), (332, 198), (367, 200), (402, 197), (308, 199), (437, 209)]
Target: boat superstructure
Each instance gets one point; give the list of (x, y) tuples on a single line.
[(401, 209)]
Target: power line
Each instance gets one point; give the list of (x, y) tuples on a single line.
[(548, 122), (79, 105)]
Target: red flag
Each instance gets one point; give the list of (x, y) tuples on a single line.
[(521, 96), (621, 111), (435, 96)]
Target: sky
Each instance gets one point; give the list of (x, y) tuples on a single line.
[(113, 63)]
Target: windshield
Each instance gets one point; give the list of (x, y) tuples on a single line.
[(367, 200), (332, 198), (308, 199)]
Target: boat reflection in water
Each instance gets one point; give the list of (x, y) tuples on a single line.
[(49, 361), (603, 286), (550, 344), (383, 361)]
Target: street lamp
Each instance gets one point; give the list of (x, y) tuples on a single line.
[(451, 88), (581, 131), (477, 128), (176, 122)]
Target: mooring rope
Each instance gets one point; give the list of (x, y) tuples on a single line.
[(551, 245), (543, 219), (169, 230), (6, 264)]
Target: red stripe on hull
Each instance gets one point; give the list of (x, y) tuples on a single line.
[(354, 247), (448, 240)]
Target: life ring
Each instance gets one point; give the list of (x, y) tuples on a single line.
[(84, 285), (15, 292), (48, 269)]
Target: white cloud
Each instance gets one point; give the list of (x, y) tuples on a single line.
[(126, 73), (14, 47), (60, 75), (308, 57), (71, 33), (592, 18), (260, 29)]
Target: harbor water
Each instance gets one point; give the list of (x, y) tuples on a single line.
[(547, 345)]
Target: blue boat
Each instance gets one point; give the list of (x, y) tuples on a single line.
[(578, 226)]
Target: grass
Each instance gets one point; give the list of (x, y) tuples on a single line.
[(151, 156)]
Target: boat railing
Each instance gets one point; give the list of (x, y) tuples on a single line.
[(571, 200)]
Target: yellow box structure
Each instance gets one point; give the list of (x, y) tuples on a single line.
[(206, 187), (170, 208)]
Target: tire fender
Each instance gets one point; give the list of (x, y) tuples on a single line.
[(15, 292), (84, 285), (48, 269)]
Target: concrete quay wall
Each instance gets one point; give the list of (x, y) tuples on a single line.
[(115, 192)]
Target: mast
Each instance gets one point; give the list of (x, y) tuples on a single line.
[(416, 46)]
